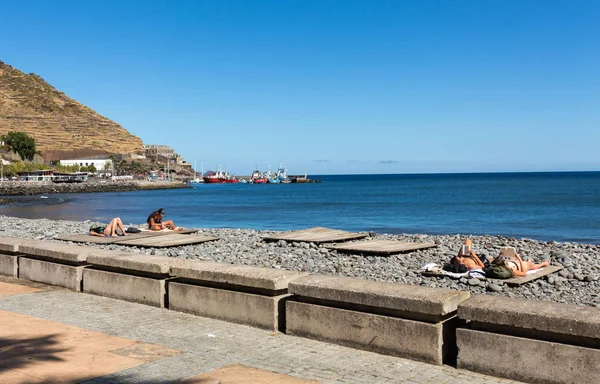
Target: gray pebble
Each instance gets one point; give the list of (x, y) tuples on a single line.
[(494, 288)]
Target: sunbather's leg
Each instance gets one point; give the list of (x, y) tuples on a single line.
[(110, 228), (531, 265), (119, 224)]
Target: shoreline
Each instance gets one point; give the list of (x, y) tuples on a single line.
[(28, 188), (578, 283)]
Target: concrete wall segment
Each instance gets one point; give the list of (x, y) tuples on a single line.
[(125, 287), (237, 307), (67, 276), (55, 251), (383, 334), (11, 244), (255, 277), (133, 262), (432, 301), (530, 314), (527, 360), (9, 265)]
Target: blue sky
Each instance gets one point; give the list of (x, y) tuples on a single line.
[(330, 86)]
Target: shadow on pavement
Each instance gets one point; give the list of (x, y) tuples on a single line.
[(19, 352)]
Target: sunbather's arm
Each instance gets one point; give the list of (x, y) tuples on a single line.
[(521, 263), (96, 234), (519, 273), (477, 260)]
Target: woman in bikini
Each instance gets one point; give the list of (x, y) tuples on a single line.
[(108, 230), (512, 260)]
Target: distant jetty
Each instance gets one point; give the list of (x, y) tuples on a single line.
[(23, 188)]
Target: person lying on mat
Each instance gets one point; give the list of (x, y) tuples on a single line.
[(465, 260), (512, 260), (108, 230), (156, 223)]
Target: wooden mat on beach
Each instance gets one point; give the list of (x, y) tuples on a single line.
[(169, 240), (317, 235), (380, 247), (513, 282), (87, 238), (517, 281), (103, 240)]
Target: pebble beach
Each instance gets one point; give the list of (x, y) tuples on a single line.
[(578, 283)]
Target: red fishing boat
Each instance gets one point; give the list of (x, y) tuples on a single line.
[(220, 177)]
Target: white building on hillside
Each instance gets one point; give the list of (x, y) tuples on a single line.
[(99, 164)]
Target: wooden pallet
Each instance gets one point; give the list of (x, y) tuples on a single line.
[(512, 282), (103, 240), (118, 239), (517, 281), (316, 235), (170, 240), (380, 247)]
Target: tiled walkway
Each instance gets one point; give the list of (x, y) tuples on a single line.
[(152, 345)]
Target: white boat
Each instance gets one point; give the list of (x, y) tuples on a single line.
[(282, 176)]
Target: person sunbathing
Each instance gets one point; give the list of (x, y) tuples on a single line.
[(108, 230), (513, 261), (465, 260), (156, 223)]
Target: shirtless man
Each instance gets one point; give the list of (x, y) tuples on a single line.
[(108, 230), (512, 260), (156, 223)]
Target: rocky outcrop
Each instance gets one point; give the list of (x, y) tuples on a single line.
[(61, 126)]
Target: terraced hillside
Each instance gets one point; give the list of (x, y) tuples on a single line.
[(61, 126)]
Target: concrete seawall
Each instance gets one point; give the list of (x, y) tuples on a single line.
[(21, 188), (533, 341)]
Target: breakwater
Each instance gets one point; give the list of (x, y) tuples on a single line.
[(24, 188)]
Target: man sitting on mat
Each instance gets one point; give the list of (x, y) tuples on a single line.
[(156, 223)]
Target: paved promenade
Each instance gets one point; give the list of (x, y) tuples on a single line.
[(51, 335)]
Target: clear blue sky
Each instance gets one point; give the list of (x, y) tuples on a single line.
[(330, 86)]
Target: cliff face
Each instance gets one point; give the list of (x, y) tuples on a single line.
[(61, 127)]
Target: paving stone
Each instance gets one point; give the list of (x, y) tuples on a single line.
[(207, 344)]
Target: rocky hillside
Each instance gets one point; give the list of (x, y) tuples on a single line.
[(61, 127)]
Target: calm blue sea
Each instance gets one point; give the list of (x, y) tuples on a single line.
[(546, 206)]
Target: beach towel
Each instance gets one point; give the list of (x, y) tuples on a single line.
[(437, 269)]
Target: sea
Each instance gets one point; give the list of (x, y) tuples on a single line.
[(559, 206)]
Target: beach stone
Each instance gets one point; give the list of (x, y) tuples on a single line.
[(463, 280), (474, 282), (579, 276), (494, 288), (563, 273), (590, 278)]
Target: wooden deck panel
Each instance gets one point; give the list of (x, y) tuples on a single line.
[(86, 238), (518, 281), (170, 240), (513, 282), (380, 247), (102, 240), (317, 235), (169, 232)]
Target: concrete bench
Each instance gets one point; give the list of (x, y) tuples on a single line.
[(534, 341), (401, 320), (240, 294), (128, 276), (52, 263), (9, 259)]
